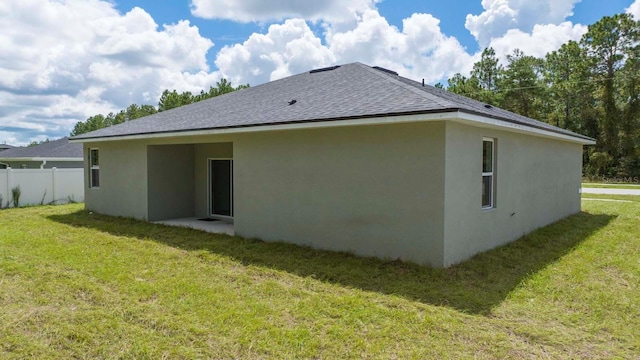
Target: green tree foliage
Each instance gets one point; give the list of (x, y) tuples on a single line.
[(570, 90), (173, 99), (607, 43), (521, 84), (591, 87), (93, 123), (168, 100), (489, 74), (135, 111), (462, 85), (629, 85), (36, 143)]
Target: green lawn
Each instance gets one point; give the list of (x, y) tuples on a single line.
[(611, 186), (76, 285), (609, 197)]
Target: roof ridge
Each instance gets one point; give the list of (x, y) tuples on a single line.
[(437, 99)]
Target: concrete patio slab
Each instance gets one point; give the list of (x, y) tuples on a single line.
[(216, 227)]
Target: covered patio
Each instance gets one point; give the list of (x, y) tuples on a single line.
[(189, 182)]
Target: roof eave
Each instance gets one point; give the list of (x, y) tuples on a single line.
[(458, 115), (292, 125), (476, 119)]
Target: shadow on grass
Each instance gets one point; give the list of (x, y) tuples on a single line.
[(475, 286)]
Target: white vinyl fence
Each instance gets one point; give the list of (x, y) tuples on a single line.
[(42, 186)]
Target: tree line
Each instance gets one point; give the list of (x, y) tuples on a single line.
[(591, 87), (168, 100)]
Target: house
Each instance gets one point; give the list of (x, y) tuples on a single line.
[(58, 153), (349, 158), (5, 147), (49, 173)]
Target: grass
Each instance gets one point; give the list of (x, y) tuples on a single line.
[(76, 285), (610, 186), (630, 198)]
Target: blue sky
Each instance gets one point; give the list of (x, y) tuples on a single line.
[(452, 14), (65, 60)]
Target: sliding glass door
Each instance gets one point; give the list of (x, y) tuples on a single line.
[(221, 187)]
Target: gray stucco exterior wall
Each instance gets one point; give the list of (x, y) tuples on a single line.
[(123, 179), (170, 170), (374, 190), (410, 191), (537, 182)]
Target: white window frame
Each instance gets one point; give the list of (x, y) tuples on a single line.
[(491, 173), (93, 167)]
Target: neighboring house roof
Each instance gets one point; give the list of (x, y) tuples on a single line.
[(352, 91), (57, 150), (5, 147)]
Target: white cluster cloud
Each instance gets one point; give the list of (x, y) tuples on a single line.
[(260, 10), (535, 27), (419, 50), (65, 60), (500, 16), (540, 41), (634, 9), (284, 50)]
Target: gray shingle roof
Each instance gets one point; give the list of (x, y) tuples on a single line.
[(345, 92), (6, 147), (61, 148)]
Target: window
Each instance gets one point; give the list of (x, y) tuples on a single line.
[(94, 168), (488, 173)]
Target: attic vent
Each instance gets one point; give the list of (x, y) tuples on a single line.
[(386, 70), (488, 106), (324, 69)]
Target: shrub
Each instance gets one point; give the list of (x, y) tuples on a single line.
[(15, 193)]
